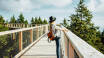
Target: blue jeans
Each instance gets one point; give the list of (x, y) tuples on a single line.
[(58, 50)]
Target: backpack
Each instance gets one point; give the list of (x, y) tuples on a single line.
[(50, 34)]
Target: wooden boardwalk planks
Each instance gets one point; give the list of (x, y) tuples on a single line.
[(42, 49)]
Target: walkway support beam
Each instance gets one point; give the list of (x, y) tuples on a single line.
[(13, 36), (71, 50), (31, 35), (37, 31), (20, 41)]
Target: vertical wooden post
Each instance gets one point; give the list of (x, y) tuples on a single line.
[(23, 26), (15, 25), (31, 35), (71, 50), (13, 36), (20, 41), (18, 25), (66, 47), (11, 25), (37, 32), (31, 25), (27, 25), (8, 25), (42, 30)]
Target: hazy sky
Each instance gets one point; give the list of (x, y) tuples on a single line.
[(45, 8)]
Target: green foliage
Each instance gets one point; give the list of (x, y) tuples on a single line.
[(32, 21), (45, 21), (26, 22), (102, 37), (82, 26), (65, 23), (13, 20), (2, 28), (21, 18), (38, 21), (6, 22), (2, 19), (8, 46)]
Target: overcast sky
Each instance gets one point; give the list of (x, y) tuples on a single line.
[(45, 8)]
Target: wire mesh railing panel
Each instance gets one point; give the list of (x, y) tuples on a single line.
[(26, 38), (34, 34), (39, 31), (14, 41)]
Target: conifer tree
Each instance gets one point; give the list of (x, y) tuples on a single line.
[(45, 21), (26, 22), (13, 20), (36, 20), (21, 18), (102, 37), (39, 20), (82, 26), (2, 20), (32, 21), (65, 23)]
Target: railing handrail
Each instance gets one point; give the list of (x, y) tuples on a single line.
[(82, 48), (18, 30), (19, 25)]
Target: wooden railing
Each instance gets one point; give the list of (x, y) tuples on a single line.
[(20, 25), (29, 35), (73, 46)]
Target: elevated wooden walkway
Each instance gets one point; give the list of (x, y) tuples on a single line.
[(71, 45), (41, 49)]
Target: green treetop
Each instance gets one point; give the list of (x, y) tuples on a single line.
[(21, 18), (2, 19), (26, 22), (39, 20), (45, 21), (36, 20), (32, 20), (13, 20), (65, 23)]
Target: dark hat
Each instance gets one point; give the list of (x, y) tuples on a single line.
[(52, 19)]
